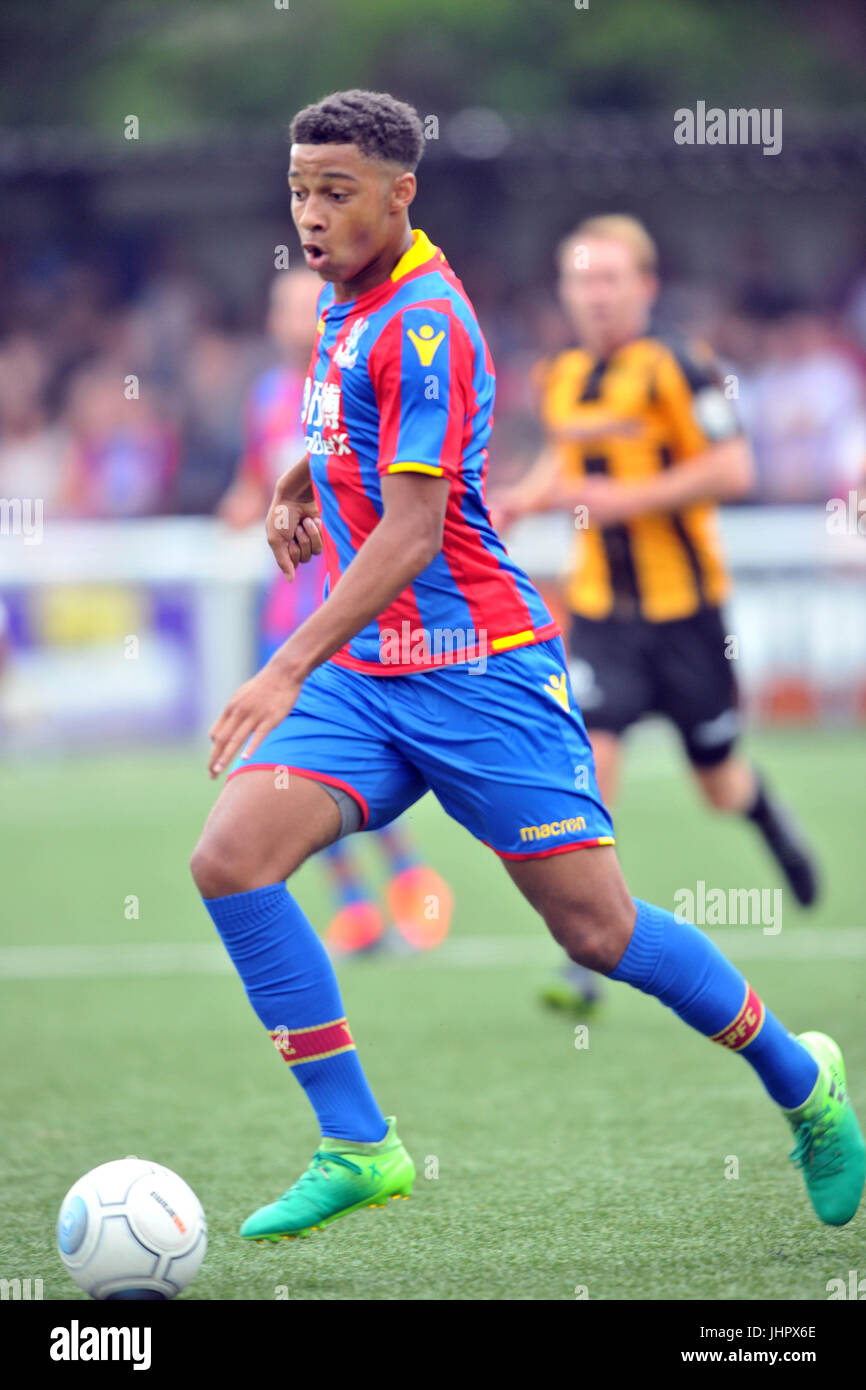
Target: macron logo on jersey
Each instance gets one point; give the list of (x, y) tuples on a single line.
[(558, 688), (552, 827), (424, 343)]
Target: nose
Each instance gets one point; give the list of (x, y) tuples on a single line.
[(311, 218)]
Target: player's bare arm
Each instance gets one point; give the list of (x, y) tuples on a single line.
[(722, 473), (403, 544), (540, 482), (541, 487)]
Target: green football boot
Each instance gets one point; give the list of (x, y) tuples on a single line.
[(343, 1177), (829, 1149), (574, 990)]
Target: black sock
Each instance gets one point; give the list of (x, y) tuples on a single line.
[(761, 810), (785, 841)]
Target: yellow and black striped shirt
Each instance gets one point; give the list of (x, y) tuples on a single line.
[(666, 565)]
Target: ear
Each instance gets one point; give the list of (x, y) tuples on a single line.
[(403, 191)]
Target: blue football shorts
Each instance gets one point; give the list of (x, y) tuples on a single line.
[(503, 749)]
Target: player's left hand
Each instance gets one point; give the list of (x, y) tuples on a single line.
[(255, 708)]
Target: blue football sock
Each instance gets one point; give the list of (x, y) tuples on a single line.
[(291, 984), (686, 970)]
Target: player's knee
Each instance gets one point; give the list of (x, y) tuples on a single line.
[(721, 791), (717, 798), (595, 939), (217, 869)]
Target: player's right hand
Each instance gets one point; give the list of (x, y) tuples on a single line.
[(294, 533), (256, 708)]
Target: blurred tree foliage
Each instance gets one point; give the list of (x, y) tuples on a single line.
[(182, 65)]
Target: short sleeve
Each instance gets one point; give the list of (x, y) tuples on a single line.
[(689, 387), (421, 370)]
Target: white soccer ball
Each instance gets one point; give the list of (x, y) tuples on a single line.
[(131, 1229)]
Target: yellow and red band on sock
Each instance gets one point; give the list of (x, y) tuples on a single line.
[(746, 1026), (313, 1044)]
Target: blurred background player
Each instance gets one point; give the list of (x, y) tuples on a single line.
[(419, 900), (642, 442)]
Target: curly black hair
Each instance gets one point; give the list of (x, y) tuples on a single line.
[(381, 126)]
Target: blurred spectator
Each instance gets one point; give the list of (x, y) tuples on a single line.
[(803, 407), (854, 316), (274, 442), (166, 319), (214, 383), (69, 434), (274, 439), (33, 452), (124, 455)]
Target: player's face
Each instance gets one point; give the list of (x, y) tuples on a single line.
[(348, 209), (604, 291)]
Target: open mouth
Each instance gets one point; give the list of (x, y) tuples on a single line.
[(313, 254)]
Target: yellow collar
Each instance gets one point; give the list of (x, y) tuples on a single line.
[(421, 250)]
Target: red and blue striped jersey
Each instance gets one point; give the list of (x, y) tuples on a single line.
[(401, 380)]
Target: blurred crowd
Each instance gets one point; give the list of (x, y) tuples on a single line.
[(120, 404)]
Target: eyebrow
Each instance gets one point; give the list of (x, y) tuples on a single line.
[(327, 174)]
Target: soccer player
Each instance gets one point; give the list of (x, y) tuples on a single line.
[(433, 664), (642, 442), (418, 898)]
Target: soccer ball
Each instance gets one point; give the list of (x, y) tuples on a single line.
[(131, 1229)]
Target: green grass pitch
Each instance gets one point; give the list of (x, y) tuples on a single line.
[(543, 1168)]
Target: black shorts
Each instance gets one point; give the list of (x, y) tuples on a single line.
[(622, 670)]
